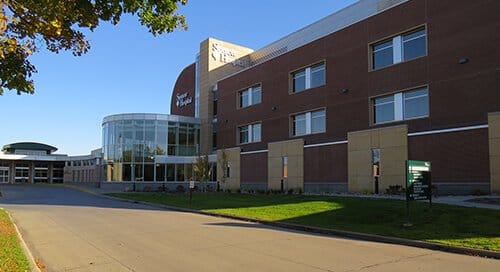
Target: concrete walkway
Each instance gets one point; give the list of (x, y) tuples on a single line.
[(451, 200), (69, 230)]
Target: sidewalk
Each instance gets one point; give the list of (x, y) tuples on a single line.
[(466, 201)]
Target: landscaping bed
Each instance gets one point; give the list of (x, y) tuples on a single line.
[(441, 223)]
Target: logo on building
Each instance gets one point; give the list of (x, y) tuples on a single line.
[(226, 55), (183, 100)]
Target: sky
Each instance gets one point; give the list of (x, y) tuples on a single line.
[(128, 70)]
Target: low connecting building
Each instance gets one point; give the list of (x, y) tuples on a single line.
[(29, 162)]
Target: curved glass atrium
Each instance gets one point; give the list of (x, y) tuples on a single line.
[(150, 147)]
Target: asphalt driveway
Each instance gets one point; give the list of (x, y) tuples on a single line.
[(69, 230)]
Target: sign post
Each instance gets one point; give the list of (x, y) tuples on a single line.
[(191, 188), (418, 183)]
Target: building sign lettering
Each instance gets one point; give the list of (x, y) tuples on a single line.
[(418, 180), (225, 55), (183, 100)]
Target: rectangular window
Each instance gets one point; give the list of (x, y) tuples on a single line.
[(310, 77), (318, 75), (250, 96), (250, 133), (401, 106), (309, 123), (4, 174), (284, 161), (400, 48)]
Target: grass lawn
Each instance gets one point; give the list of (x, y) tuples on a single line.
[(452, 225), (12, 257)]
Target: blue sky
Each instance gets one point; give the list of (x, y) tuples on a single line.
[(129, 70)]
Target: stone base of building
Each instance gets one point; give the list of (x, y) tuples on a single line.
[(326, 188), (126, 186), (84, 184), (462, 188), (258, 186)]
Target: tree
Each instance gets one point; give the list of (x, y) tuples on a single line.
[(27, 24), (202, 170), (223, 161)]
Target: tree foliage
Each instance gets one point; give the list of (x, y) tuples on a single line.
[(25, 25), (202, 168)]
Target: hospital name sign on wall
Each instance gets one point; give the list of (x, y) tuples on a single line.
[(183, 100), (226, 55)]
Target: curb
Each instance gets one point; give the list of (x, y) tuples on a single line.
[(26, 250), (323, 231)]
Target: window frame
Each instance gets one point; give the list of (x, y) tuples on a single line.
[(399, 47), (308, 119), (401, 110), (249, 90), (307, 77), (250, 129)]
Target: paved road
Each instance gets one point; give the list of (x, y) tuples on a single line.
[(73, 231)]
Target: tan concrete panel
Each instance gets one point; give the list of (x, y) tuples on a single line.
[(495, 165), (391, 137), (300, 166), (359, 162), (495, 183), (294, 150), (389, 180), (393, 160), (233, 157), (375, 139), (494, 150), (358, 141), (274, 167), (293, 166), (361, 184), (494, 125), (494, 146), (274, 150)]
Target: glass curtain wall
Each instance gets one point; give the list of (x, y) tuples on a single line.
[(130, 147)]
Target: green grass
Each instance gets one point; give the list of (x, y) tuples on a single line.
[(446, 224), (12, 257)]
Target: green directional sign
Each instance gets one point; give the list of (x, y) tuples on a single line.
[(418, 180)]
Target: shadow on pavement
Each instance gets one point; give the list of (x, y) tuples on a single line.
[(42, 194)]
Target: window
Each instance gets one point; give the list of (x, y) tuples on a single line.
[(4, 174), (284, 161), (399, 48), (401, 106), (309, 123), (250, 96), (309, 77), (250, 133)]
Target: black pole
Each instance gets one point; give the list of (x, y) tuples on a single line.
[(407, 224), (190, 196)]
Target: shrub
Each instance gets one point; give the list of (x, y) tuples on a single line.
[(395, 190), (180, 189)]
